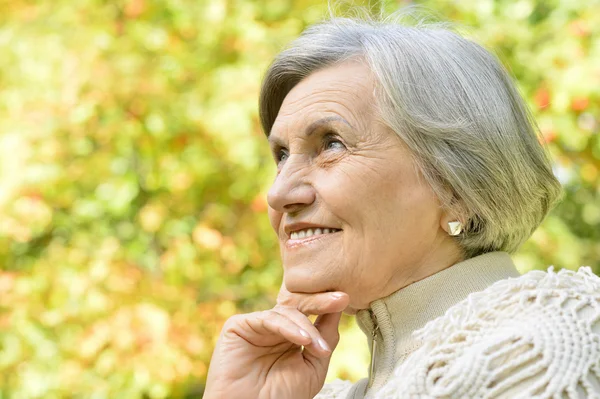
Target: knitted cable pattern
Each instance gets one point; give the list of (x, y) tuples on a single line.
[(535, 336)]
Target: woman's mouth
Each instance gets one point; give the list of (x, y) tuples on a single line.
[(307, 233), (305, 236)]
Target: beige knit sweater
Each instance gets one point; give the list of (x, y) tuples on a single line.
[(479, 330)]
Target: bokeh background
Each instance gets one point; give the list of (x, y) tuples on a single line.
[(133, 175)]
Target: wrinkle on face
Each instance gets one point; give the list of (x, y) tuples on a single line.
[(341, 100)]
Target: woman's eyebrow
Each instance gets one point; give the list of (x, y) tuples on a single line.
[(276, 141), (316, 124)]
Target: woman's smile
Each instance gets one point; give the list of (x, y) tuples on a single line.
[(302, 237)]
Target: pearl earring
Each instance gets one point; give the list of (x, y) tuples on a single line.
[(455, 228)]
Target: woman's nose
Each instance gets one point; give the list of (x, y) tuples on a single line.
[(291, 192)]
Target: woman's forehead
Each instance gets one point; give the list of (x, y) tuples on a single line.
[(342, 93)]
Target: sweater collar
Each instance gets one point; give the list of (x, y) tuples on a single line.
[(392, 320)]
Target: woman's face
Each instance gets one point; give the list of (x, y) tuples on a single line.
[(349, 206)]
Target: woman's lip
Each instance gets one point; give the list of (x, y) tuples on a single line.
[(302, 241)]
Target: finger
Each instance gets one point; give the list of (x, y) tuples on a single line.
[(265, 328), (275, 322), (315, 304), (327, 325), (318, 347)]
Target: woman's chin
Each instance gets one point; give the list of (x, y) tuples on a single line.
[(306, 283)]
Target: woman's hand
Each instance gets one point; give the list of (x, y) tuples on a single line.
[(261, 354)]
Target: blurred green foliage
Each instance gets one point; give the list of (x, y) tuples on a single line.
[(133, 175)]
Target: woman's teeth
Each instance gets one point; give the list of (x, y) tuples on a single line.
[(298, 235)]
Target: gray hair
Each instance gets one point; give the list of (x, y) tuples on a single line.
[(454, 106)]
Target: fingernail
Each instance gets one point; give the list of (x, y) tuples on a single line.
[(323, 345), (304, 333), (337, 295)]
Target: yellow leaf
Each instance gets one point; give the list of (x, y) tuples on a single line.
[(207, 237)]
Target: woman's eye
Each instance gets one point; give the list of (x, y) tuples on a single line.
[(282, 155), (333, 144)]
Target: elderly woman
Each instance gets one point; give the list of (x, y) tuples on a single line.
[(408, 169)]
